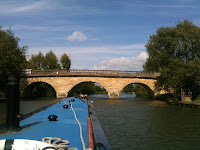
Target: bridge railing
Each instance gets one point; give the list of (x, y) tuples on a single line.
[(77, 72)]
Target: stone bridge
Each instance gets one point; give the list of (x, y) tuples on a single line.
[(63, 81)]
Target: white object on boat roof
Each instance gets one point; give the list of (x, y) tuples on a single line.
[(23, 144)]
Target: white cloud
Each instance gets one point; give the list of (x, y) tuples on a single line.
[(171, 6), (13, 9), (77, 36), (124, 63), (106, 49), (84, 57)]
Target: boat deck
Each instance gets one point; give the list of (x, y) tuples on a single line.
[(38, 126)]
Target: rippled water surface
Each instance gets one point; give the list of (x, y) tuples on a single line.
[(138, 124), (30, 105)]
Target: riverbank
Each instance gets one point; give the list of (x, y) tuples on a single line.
[(183, 103)]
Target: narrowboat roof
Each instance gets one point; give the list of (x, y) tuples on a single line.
[(66, 127)]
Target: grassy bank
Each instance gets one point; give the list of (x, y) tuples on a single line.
[(164, 97), (197, 100)]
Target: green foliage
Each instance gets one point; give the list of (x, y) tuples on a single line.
[(99, 90), (86, 88), (37, 61), (197, 100), (41, 62), (51, 61), (175, 53), (43, 90), (140, 91), (164, 97), (129, 88), (12, 57), (65, 61), (137, 89)]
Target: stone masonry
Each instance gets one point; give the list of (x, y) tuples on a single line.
[(112, 85)]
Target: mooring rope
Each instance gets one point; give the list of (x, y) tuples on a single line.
[(63, 144), (80, 127)]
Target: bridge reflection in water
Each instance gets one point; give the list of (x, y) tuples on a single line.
[(113, 81)]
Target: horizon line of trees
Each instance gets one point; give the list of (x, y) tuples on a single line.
[(48, 61)]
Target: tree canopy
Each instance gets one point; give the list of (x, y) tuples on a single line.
[(51, 61), (137, 89), (12, 56), (37, 61), (86, 88), (175, 53), (65, 61)]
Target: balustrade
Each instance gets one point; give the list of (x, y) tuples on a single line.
[(90, 73)]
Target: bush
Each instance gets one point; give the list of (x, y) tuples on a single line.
[(197, 100)]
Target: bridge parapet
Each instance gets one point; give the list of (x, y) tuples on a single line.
[(91, 73)]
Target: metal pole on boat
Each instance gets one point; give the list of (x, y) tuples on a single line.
[(12, 122)]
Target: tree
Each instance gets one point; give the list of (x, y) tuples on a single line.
[(37, 61), (12, 57), (137, 89), (51, 61), (65, 61), (43, 90), (175, 53), (86, 88), (129, 88), (141, 91)]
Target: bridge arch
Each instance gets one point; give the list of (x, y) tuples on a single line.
[(26, 85), (63, 84), (149, 84), (85, 82), (82, 80), (29, 89), (149, 90)]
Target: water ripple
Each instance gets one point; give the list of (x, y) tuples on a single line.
[(146, 124)]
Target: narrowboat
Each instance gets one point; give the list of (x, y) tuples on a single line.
[(70, 124)]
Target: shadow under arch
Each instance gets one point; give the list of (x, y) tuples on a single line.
[(44, 90), (85, 87), (147, 88)]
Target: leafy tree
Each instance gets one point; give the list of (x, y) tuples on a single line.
[(43, 90), (12, 56), (51, 61), (175, 53), (99, 90), (37, 61), (86, 88), (140, 91), (65, 61), (129, 88), (137, 89)]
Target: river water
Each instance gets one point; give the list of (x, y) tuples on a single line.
[(141, 124)]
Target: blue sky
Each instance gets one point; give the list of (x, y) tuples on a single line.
[(96, 34)]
